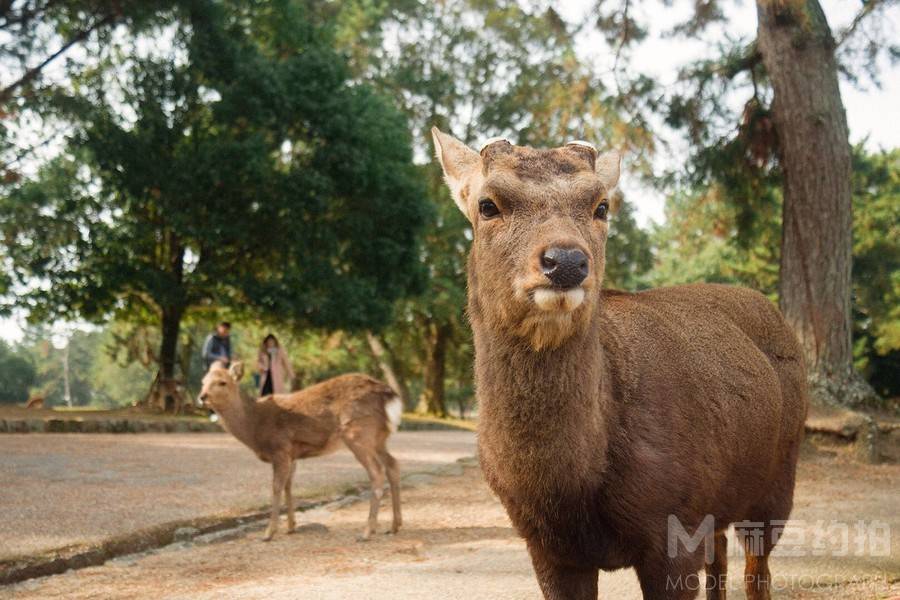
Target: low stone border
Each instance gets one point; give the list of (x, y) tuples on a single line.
[(859, 431), (54, 425), (123, 425), (200, 530)]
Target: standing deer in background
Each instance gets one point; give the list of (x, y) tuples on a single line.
[(35, 402), (354, 409), (607, 417), (165, 393)]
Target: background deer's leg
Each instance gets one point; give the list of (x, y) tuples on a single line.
[(363, 448), (289, 498), (281, 468), (393, 475)]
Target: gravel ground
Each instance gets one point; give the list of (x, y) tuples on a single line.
[(457, 544), (62, 489)]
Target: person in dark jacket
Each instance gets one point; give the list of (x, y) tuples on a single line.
[(217, 347)]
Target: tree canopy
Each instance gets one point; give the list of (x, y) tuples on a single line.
[(239, 167), (17, 375)]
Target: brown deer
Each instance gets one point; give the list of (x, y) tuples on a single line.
[(354, 409), (611, 420), (35, 402), (167, 393)]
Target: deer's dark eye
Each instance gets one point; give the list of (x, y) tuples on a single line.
[(487, 209), (602, 211)]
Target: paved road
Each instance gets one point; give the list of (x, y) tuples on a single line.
[(458, 544), (62, 489)]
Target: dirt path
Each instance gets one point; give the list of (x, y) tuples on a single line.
[(457, 543), (63, 489)]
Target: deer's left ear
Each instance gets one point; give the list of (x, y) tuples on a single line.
[(458, 162), (236, 370), (607, 168)]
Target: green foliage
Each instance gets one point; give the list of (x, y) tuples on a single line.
[(39, 36), (49, 362), (17, 375), (241, 169), (701, 241), (114, 380), (480, 69), (98, 375), (876, 269), (629, 251)]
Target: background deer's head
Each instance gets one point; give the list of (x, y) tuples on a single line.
[(221, 386)]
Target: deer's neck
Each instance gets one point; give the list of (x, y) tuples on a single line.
[(238, 419), (545, 415)]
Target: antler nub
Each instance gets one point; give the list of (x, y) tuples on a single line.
[(493, 140), (582, 143)]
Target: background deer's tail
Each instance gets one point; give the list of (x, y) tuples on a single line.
[(393, 408)]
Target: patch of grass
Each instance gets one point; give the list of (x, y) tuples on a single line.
[(451, 422)]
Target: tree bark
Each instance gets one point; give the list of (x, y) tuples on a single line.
[(164, 390), (797, 50), (386, 364), (432, 400), (168, 356)]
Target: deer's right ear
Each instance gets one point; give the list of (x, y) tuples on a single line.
[(458, 162), (236, 370)]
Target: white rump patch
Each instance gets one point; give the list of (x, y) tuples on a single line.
[(394, 410), (563, 300)]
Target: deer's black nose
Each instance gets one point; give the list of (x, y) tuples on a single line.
[(564, 267)]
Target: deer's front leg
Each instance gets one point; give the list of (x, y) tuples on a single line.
[(562, 582), (281, 470)]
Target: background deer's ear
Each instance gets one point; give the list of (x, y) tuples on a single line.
[(237, 370), (458, 162), (607, 168)]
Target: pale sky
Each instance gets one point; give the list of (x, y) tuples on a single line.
[(873, 114)]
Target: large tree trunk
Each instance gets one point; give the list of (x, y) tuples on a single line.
[(168, 356), (166, 392), (432, 400), (797, 50)]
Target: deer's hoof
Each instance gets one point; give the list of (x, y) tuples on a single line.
[(268, 536)]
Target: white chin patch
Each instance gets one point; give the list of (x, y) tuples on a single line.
[(559, 300)]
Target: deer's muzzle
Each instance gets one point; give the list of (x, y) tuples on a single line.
[(566, 268)]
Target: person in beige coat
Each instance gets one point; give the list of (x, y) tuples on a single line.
[(274, 367)]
